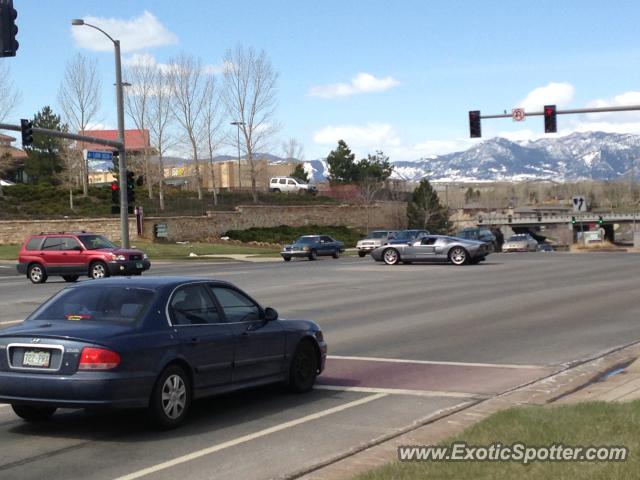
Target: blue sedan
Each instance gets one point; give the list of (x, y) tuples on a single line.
[(152, 342)]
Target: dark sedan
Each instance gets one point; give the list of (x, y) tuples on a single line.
[(433, 248), (312, 246), (153, 342)]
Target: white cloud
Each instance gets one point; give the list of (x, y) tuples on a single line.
[(138, 33), (370, 136), (361, 83), (551, 94)]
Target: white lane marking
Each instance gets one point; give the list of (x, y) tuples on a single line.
[(247, 438), (431, 362), (11, 322), (399, 391)]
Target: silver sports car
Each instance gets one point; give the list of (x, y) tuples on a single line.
[(434, 248)]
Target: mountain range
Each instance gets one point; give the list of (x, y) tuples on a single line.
[(578, 156)]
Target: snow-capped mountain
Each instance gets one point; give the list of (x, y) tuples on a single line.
[(579, 156)]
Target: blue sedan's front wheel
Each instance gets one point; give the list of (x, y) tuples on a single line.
[(304, 368)]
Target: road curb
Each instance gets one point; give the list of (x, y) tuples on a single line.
[(544, 391)]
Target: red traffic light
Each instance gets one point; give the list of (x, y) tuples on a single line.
[(114, 186)]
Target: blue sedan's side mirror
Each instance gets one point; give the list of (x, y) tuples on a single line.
[(270, 314)]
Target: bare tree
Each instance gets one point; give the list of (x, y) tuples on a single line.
[(137, 99), (293, 150), (79, 100), (160, 117), (212, 123), (10, 96), (188, 89), (250, 98)]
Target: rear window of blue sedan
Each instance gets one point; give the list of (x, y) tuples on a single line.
[(112, 304)]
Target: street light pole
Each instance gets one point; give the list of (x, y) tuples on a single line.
[(239, 124), (122, 163)]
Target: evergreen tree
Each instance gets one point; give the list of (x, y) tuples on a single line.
[(342, 167), (300, 173), (424, 210), (44, 163), (372, 173)]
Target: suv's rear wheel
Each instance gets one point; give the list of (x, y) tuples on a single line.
[(37, 273), (98, 270)]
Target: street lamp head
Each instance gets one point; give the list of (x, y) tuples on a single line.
[(237, 124), (77, 21)]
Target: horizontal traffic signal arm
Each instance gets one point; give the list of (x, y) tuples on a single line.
[(71, 136), (569, 111)]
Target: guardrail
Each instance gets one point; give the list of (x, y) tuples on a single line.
[(539, 219)]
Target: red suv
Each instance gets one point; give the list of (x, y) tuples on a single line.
[(73, 254)]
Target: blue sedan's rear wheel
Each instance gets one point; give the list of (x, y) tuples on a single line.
[(171, 397), (304, 368), (32, 413), (336, 253), (391, 256)]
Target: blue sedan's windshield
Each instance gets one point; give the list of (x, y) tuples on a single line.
[(116, 304)]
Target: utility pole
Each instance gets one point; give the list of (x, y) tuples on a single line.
[(239, 124)]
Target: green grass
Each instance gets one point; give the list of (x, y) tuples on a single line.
[(584, 424), (9, 252), (172, 251)]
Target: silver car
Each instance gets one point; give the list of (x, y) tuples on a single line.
[(434, 248), (521, 242)]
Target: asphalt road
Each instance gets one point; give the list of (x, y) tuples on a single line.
[(406, 343)]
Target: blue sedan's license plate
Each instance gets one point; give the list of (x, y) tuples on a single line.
[(36, 358), (139, 265)]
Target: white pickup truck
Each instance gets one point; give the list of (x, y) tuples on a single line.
[(290, 185)]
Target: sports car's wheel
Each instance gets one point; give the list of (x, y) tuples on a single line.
[(37, 273), (336, 253), (171, 397), (304, 368), (391, 256), (33, 414), (70, 278), (362, 254), (458, 256), (98, 270), (313, 255)]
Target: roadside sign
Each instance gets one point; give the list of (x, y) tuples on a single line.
[(97, 155), (517, 114), (579, 204)]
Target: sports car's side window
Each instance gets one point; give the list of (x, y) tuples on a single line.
[(236, 306), (429, 240), (192, 305)]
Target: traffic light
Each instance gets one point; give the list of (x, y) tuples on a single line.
[(26, 127), (573, 220), (550, 124), (600, 220), (474, 124), (131, 187), (8, 29), (115, 197)]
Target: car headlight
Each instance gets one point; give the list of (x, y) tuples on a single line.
[(306, 249), (115, 257), (145, 256)]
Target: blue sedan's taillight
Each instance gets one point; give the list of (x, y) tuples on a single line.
[(93, 358)]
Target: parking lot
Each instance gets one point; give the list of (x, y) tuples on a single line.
[(407, 344)]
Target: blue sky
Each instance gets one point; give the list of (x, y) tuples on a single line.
[(396, 76)]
